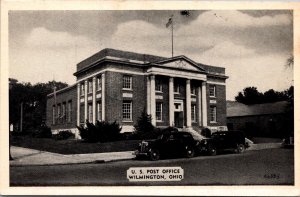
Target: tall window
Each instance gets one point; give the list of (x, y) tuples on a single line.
[(99, 85), (82, 89), (63, 115), (193, 90), (127, 82), (69, 112), (90, 112), (90, 86), (99, 108), (53, 114), (158, 111), (212, 90), (213, 114), (176, 88), (127, 110), (158, 85), (82, 120), (58, 113), (193, 111)]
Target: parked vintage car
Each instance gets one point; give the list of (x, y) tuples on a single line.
[(223, 140), (167, 145)]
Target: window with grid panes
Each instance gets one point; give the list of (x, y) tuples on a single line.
[(212, 90), (213, 114), (99, 108), (90, 86), (63, 116), (99, 85), (158, 111), (193, 90), (127, 82), (193, 111), (58, 113), (127, 110), (53, 114), (69, 113), (82, 89), (90, 112), (158, 85)]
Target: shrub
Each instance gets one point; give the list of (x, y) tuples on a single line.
[(102, 131), (64, 135), (144, 128), (42, 132), (206, 132)]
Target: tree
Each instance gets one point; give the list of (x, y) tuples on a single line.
[(144, 124), (33, 98), (273, 96), (249, 96)]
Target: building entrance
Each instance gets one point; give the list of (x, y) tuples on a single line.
[(178, 114)]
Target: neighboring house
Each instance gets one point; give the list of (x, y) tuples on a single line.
[(114, 85), (266, 119)]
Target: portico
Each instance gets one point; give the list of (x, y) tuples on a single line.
[(179, 108)]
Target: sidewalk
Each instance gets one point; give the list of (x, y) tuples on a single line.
[(31, 157)]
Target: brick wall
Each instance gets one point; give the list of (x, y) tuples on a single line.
[(220, 104), (114, 97), (268, 125), (63, 97)]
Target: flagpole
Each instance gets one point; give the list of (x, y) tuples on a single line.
[(172, 37)]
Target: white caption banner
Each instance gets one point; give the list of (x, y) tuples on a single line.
[(155, 174)]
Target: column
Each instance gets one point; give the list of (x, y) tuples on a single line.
[(78, 104), (204, 105), (152, 99), (188, 103), (94, 100), (171, 101), (85, 100), (103, 96), (199, 107), (148, 96)]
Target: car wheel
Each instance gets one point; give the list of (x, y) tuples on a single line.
[(212, 150), (189, 152), (240, 148), (154, 155)]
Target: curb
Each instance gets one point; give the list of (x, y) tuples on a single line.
[(76, 163)]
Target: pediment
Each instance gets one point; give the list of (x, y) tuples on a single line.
[(181, 63)]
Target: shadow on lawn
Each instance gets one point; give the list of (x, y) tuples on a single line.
[(72, 146)]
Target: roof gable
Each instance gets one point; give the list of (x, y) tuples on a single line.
[(180, 62)]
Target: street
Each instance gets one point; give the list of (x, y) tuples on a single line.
[(260, 167)]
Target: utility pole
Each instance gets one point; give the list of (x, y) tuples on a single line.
[(21, 119)]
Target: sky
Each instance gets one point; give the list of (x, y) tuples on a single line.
[(253, 46)]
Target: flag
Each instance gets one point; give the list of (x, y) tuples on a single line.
[(169, 22)]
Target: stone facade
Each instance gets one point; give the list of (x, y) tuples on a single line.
[(117, 86)]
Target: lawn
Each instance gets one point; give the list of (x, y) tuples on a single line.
[(72, 146)]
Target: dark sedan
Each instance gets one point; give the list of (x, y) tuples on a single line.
[(168, 145)]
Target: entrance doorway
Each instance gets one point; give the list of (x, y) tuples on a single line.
[(178, 114)]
